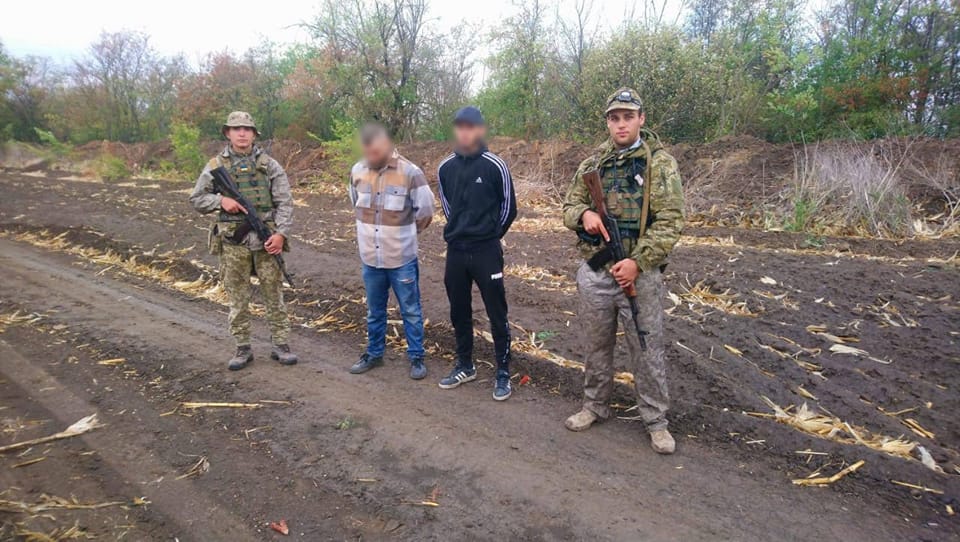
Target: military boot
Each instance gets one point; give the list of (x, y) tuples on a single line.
[(581, 421), (662, 442), (282, 354), (241, 359)]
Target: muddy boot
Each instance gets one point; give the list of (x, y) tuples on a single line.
[(581, 421), (662, 442), (282, 354), (241, 359)]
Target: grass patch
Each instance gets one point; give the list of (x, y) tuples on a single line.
[(345, 424), (850, 190), (111, 168)]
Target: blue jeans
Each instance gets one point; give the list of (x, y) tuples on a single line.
[(405, 281)]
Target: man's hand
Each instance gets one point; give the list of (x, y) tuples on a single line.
[(231, 206), (594, 224), (274, 244), (625, 272)]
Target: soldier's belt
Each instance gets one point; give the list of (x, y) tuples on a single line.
[(266, 216)]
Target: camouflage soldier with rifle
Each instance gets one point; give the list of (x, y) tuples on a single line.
[(640, 194), (262, 182)]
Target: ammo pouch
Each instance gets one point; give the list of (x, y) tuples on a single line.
[(214, 241)]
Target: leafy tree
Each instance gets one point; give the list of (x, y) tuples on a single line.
[(515, 93), (385, 56)]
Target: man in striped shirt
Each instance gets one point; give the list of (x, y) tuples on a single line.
[(393, 203)]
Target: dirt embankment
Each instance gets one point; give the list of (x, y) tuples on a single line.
[(736, 180)]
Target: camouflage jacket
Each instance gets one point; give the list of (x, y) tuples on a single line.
[(666, 202), (205, 201)]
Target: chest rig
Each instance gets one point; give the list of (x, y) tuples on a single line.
[(624, 182), (250, 174)]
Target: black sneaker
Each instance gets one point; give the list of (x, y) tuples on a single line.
[(502, 391), (418, 371), (365, 363), (459, 375), (241, 359)]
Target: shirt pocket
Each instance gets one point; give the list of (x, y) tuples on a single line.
[(395, 198), (364, 196)]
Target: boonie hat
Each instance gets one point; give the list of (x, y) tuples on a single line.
[(238, 119)]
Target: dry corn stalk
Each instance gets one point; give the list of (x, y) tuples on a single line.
[(701, 294), (835, 429), (15, 318), (918, 487), (51, 502), (81, 426), (200, 467), (827, 480), (219, 405), (859, 352), (822, 331)]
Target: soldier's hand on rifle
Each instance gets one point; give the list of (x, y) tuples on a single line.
[(274, 244), (625, 272), (593, 224), (231, 206)]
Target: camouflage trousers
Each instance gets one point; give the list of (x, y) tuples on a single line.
[(602, 305), (237, 263)]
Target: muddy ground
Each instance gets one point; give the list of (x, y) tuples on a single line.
[(341, 457)]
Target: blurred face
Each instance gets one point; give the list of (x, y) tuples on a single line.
[(241, 137), (624, 126), (377, 151), (469, 137)]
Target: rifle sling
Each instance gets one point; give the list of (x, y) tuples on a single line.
[(645, 203)]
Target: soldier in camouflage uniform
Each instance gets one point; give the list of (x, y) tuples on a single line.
[(631, 157), (242, 254)]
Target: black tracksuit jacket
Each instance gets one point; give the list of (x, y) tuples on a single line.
[(477, 195)]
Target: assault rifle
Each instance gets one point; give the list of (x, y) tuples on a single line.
[(614, 247), (223, 184)]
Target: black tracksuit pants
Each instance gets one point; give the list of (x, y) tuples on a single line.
[(480, 263)]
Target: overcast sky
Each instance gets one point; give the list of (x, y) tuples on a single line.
[(62, 29)]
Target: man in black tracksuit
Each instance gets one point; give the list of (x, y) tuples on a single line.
[(479, 202)]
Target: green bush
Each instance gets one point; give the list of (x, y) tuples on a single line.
[(342, 151), (47, 139), (111, 168), (187, 153)]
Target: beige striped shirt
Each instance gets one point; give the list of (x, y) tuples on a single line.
[(392, 205)]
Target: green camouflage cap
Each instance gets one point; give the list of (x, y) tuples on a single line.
[(240, 118), (625, 98)]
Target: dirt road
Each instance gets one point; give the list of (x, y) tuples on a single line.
[(341, 457)]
